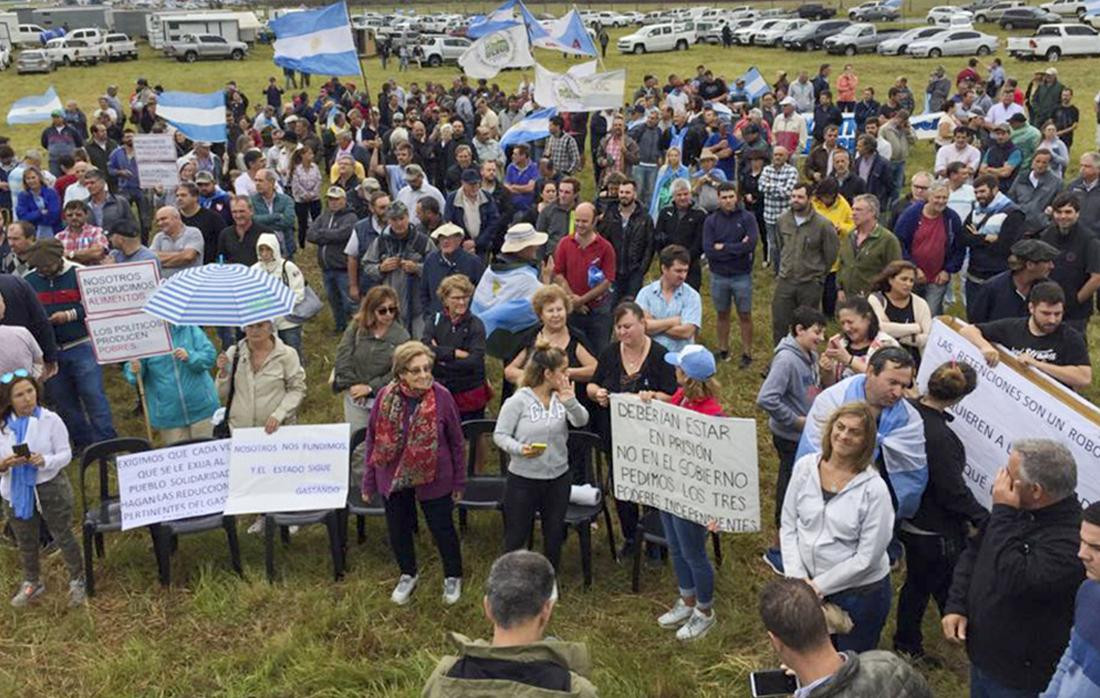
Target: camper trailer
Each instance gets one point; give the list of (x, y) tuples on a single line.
[(132, 23), (165, 27), (98, 16)]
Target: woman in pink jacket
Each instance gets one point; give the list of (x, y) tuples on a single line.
[(846, 86)]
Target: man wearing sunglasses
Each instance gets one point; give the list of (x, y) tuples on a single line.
[(77, 389)]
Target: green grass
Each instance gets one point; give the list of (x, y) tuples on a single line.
[(212, 634)]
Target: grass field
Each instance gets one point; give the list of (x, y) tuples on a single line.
[(213, 634)]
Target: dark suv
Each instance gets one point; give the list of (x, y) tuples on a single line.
[(816, 10), (812, 36)]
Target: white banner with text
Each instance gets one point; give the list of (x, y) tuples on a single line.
[(172, 483)]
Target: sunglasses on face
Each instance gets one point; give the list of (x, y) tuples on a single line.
[(388, 310), (12, 375)]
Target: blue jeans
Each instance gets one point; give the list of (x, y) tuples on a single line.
[(292, 337), (868, 607), (687, 546), (646, 177), (897, 173), (982, 685), (77, 394), (336, 288), (934, 294)]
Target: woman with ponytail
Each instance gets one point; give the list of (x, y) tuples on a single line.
[(533, 428)]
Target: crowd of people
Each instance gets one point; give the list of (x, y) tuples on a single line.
[(414, 210)]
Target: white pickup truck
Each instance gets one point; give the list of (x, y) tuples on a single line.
[(65, 51), (120, 47), (1053, 41), (658, 37)]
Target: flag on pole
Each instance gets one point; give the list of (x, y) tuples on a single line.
[(36, 108), (494, 52), (201, 117), (567, 33), (534, 126), (498, 20), (925, 126), (316, 41), (755, 84), (580, 88)]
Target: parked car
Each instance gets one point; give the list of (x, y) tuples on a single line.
[(857, 38), (608, 18), (443, 49), (949, 16), (633, 17), (92, 35), (1067, 8), (898, 44), (1053, 41), (119, 46), (654, 38), (66, 51), (193, 47), (29, 35), (874, 11), (812, 36), (993, 12), (954, 42), (746, 36), (773, 35), (1027, 18), (34, 61), (816, 11)]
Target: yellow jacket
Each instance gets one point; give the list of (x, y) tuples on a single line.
[(840, 215)]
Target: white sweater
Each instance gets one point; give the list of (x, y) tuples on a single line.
[(46, 435)]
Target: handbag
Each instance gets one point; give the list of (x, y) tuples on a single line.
[(221, 429), (306, 308)]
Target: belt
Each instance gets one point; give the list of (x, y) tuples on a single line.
[(77, 343)]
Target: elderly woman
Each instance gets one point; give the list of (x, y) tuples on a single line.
[(837, 521), (552, 307), (416, 453), (267, 378), (364, 357), (902, 314), (39, 205), (533, 428), (179, 392), (270, 260), (860, 337), (457, 338), (672, 170)]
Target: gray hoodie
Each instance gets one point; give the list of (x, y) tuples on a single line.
[(524, 420), (789, 390)]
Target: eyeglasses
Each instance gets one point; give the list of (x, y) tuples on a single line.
[(418, 371), (388, 310), (12, 375)]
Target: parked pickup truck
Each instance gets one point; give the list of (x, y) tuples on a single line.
[(857, 38), (1053, 41), (64, 51), (120, 46), (192, 47)]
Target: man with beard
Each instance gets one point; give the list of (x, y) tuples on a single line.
[(1005, 295), (993, 226), (629, 229), (1077, 268)]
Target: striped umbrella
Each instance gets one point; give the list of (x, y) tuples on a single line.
[(220, 295)]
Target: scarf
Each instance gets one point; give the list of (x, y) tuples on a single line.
[(414, 446), (993, 215), (23, 477)]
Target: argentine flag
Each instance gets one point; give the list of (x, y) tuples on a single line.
[(316, 41), (502, 301), (201, 117), (36, 108), (498, 20), (755, 84), (566, 33), (534, 126)]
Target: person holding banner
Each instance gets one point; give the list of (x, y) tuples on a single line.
[(34, 448), (533, 428), (837, 522), (179, 391), (415, 451)]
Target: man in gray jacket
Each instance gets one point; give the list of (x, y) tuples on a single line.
[(1034, 190), (798, 633)]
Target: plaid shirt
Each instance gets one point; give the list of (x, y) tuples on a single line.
[(776, 186), (562, 151), (88, 237)]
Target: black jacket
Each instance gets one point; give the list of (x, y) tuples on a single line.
[(330, 232), (685, 230), (879, 180), (988, 260), (1016, 584), (634, 244), (25, 310), (947, 504), (443, 336)]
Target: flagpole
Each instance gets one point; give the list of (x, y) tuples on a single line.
[(358, 58), (599, 58)]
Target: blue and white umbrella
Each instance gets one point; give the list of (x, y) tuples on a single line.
[(221, 295)]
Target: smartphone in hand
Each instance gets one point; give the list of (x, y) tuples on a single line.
[(776, 682), (21, 450)]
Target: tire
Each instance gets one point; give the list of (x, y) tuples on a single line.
[(681, 45), (778, 43), (639, 49), (190, 57), (237, 55), (935, 53), (980, 19), (1081, 14), (434, 61), (850, 51), (1053, 55), (66, 61), (1009, 26), (932, 21), (983, 50)]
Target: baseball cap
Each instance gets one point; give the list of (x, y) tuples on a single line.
[(397, 210), (1051, 71), (204, 177), (413, 170), (57, 112), (1001, 127), (1033, 250), (694, 360), (470, 176), (1017, 118), (787, 100), (336, 193)]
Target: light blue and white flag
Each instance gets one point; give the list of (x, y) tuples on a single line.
[(498, 20), (316, 41), (201, 117), (755, 84), (494, 52), (925, 126), (534, 126), (845, 139), (567, 33), (502, 301), (36, 108)]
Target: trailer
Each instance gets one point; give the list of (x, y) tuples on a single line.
[(9, 30), (166, 27), (132, 23), (98, 16), (249, 26)]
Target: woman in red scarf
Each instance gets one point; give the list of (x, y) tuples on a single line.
[(415, 452)]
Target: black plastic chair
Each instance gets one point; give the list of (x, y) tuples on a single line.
[(483, 492), (581, 516), (651, 530), (330, 518), (106, 516), (356, 505), (166, 534)]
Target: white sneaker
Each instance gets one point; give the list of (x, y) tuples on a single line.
[(77, 593), (28, 591), (697, 626), (404, 589), (676, 616), (452, 589), (257, 526)]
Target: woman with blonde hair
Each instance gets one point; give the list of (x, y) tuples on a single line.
[(838, 520), (457, 338), (364, 357), (552, 306), (415, 452)]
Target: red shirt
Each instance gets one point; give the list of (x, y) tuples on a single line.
[(929, 247), (572, 261)]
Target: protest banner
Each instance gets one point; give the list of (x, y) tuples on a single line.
[(173, 483), (158, 174), (154, 147), (295, 469), (116, 288), (1012, 402), (695, 466), (128, 336)]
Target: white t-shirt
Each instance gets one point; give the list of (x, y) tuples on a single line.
[(1000, 114)]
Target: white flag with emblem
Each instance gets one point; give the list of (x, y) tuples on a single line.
[(494, 52)]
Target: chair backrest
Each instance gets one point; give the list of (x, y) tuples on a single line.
[(103, 454), (357, 439), (472, 431), (189, 442), (595, 458)]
